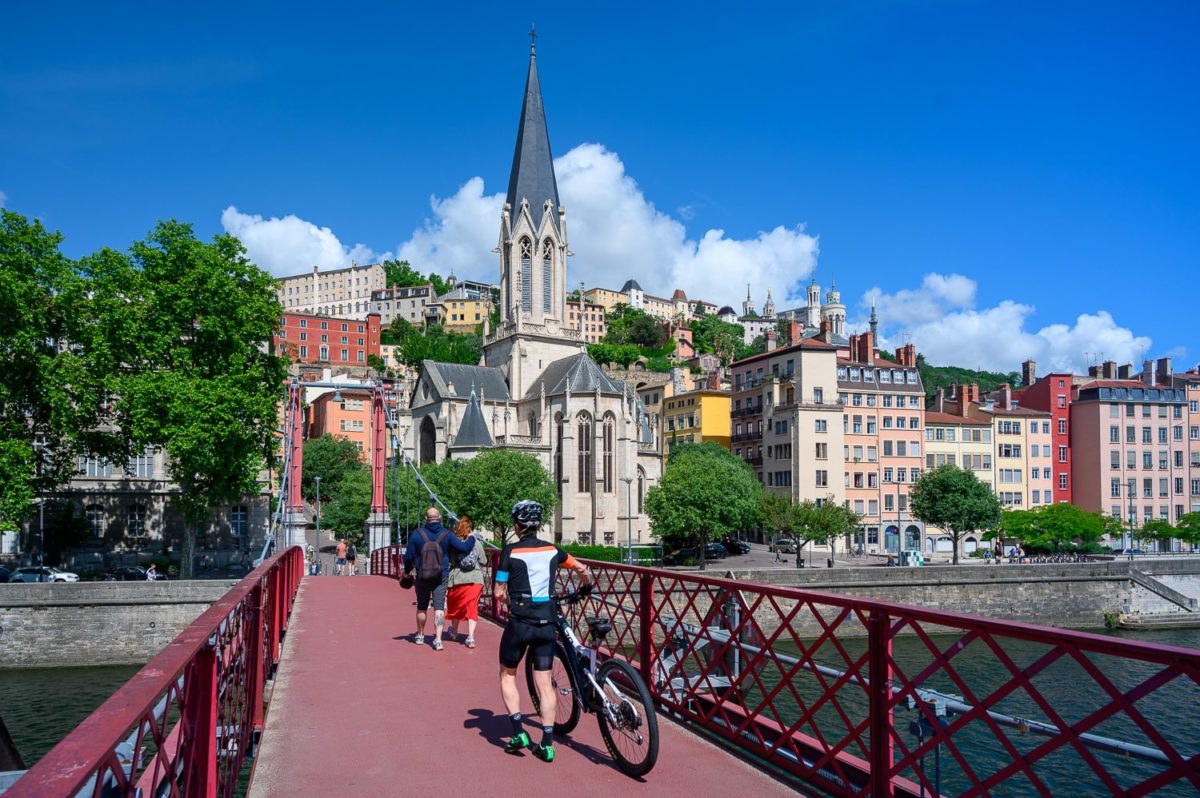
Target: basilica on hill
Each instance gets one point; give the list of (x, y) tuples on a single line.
[(536, 390)]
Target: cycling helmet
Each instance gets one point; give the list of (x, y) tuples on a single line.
[(527, 514)]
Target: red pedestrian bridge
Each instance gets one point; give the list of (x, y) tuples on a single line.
[(313, 685)]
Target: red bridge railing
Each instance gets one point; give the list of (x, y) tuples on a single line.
[(185, 723), (860, 697)]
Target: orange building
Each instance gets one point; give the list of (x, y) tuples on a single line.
[(343, 414)]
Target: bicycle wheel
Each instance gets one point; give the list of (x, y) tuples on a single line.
[(566, 711), (628, 723)]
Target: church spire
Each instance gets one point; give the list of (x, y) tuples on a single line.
[(874, 323), (532, 177)]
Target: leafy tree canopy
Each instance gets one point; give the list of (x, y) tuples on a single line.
[(635, 326), (435, 343), (331, 458), (1054, 526), (823, 523), (1187, 528), (711, 335), (934, 377), (705, 492), (345, 511), (956, 501)]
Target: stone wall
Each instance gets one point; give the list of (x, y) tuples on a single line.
[(97, 623)]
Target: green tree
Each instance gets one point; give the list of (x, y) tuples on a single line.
[(823, 523), (1053, 527), (777, 512), (331, 458), (1187, 529), (705, 492), (348, 505), (954, 500), (184, 328), (435, 343), (52, 397), (712, 335), (401, 274), (1158, 530), (489, 484)]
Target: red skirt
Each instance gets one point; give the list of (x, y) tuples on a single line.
[(462, 602)]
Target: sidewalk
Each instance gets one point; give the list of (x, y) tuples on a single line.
[(359, 709)]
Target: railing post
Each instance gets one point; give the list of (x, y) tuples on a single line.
[(201, 692), (879, 699), (647, 619), (258, 675)]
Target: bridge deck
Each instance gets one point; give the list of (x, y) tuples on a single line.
[(359, 709)]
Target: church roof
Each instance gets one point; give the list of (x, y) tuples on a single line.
[(451, 380), (726, 309), (675, 297), (472, 432), (630, 285), (532, 176), (578, 374)]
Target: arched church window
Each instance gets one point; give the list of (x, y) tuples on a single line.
[(584, 445), (641, 491), (526, 275), (607, 464), (427, 453), (533, 425), (559, 424), (547, 274)]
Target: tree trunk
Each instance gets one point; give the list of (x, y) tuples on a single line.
[(957, 540), (703, 544), (187, 560)]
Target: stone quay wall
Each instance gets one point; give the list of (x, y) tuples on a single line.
[(97, 623)]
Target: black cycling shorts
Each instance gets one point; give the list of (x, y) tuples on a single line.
[(520, 637)]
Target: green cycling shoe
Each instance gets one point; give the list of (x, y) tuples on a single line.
[(517, 742), (544, 752)]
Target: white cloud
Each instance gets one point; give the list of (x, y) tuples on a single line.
[(616, 234), (291, 245), (941, 319)]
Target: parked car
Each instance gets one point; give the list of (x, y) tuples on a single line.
[(682, 556), (1132, 551), (125, 573), (42, 573), (5, 574), (784, 545), (715, 551), (736, 546)]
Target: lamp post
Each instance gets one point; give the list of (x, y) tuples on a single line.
[(628, 510), (39, 446), (317, 480)]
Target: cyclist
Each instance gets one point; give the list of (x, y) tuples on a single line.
[(525, 581)]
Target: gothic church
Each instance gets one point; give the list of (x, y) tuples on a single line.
[(537, 391)]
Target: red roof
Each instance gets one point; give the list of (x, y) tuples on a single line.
[(934, 417)]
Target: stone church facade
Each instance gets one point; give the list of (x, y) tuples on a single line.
[(537, 391)]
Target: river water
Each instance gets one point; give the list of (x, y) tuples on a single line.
[(40, 706)]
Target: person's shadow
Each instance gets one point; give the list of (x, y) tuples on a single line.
[(495, 729)]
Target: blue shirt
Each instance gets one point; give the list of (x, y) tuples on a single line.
[(430, 532)]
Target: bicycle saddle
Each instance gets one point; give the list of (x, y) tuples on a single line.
[(599, 627)]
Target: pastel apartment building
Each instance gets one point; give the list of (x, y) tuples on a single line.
[(883, 409), (963, 442), (344, 293), (413, 303), (328, 340), (1052, 394), (697, 417), (590, 318)]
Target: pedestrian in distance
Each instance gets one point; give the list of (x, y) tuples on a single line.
[(465, 584), (351, 559), (310, 557), (151, 573), (339, 561), (525, 582), (428, 554)]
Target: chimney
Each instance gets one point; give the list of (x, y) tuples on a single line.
[(771, 340), (1124, 373), (795, 332), (907, 355), (866, 343), (1006, 396), (1148, 373), (826, 330), (939, 400), (1162, 371), (1094, 371), (1110, 370), (968, 394), (1029, 372)]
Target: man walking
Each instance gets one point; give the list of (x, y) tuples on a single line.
[(339, 562), (428, 553), (525, 581)]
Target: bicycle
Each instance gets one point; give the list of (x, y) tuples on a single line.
[(627, 724)]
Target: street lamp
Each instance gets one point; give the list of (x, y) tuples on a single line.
[(628, 512), (318, 481), (39, 446)]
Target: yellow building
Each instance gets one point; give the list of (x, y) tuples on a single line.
[(460, 311), (964, 442), (696, 417)]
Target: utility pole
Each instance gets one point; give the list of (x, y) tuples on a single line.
[(628, 514)]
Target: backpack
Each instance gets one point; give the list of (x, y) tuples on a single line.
[(431, 560), (351, 553), (467, 562)]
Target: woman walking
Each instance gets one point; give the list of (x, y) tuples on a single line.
[(466, 583)]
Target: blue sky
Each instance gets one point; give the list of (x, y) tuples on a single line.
[(1007, 179)]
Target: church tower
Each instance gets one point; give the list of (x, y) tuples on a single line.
[(748, 303), (834, 311), (769, 306), (813, 311), (533, 231)]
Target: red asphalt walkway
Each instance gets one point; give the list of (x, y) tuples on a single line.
[(359, 709)]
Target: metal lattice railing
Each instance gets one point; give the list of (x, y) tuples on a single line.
[(860, 697), (185, 723)]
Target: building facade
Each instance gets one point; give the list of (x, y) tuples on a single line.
[(328, 340), (966, 443), (590, 318), (1052, 394), (697, 417), (334, 292), (411, 303)]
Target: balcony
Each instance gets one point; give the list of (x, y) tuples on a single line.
[(754, 461)]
